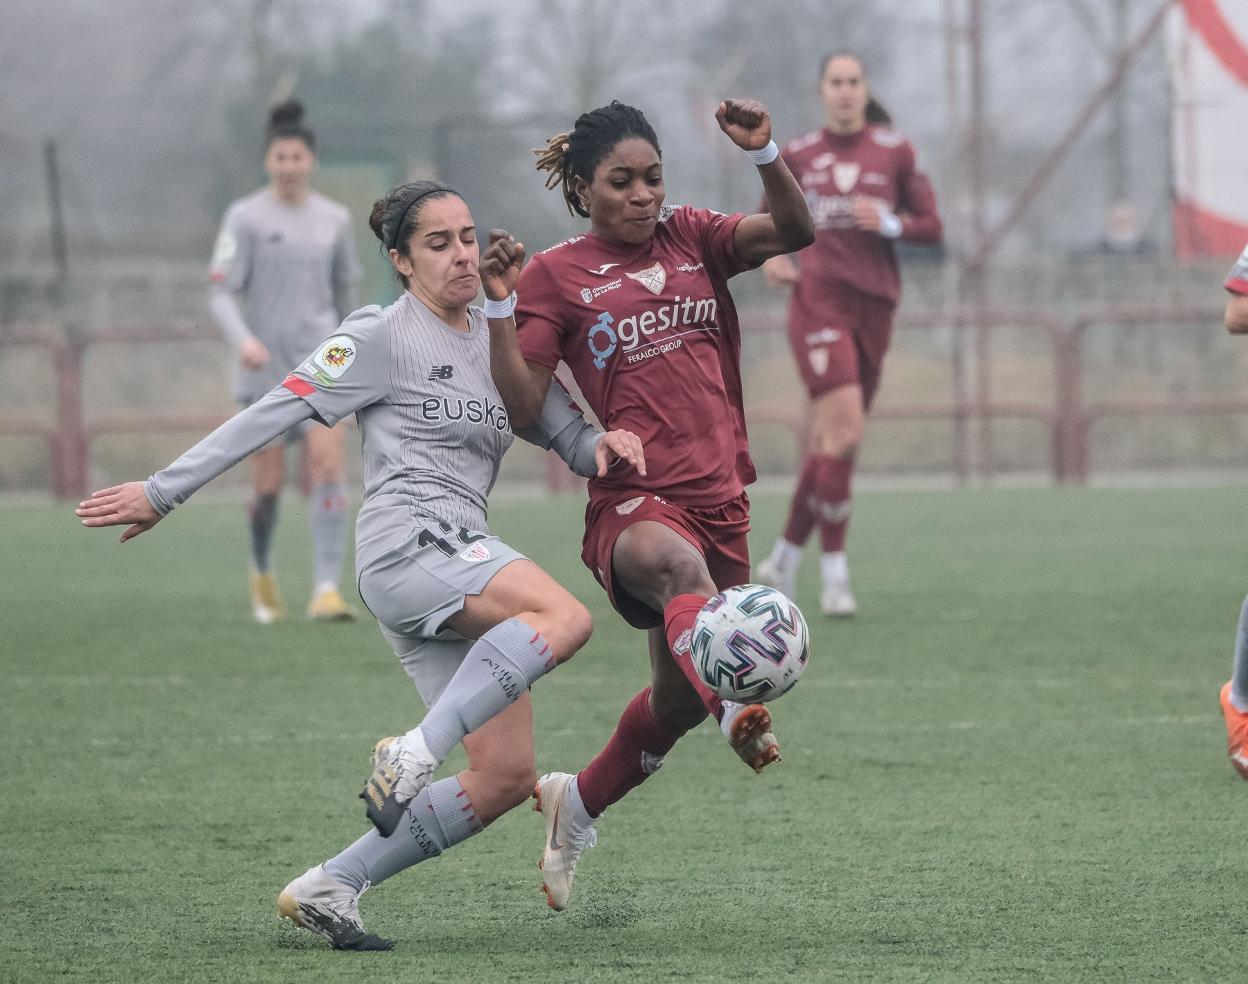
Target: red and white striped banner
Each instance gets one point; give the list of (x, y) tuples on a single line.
[(1208, 48)]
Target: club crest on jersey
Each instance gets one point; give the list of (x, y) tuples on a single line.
[(624, 508), (335, 356), (653, 278), (476, 554), (819, 360), (845, 176)]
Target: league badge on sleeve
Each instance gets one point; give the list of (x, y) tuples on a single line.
[(335, 356)]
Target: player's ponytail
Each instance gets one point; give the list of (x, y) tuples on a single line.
[(286, 120), (394, 218), (575, 154)]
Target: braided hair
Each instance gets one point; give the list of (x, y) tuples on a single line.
[(286, 120), (395, 217), (576, 154)]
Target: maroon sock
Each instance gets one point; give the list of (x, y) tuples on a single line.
[(634, 752), (834, 502), (801, 511), (678, 619)]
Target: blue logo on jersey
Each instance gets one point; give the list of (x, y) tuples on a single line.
[(602, 327)]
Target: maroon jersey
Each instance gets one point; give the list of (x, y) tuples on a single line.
[(878, 163), (650, 334)]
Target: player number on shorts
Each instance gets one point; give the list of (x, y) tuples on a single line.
[(427, 538)]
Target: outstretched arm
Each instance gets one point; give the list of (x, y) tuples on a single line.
[(141, 505), (522, 385), (561, 427), (788, 226)]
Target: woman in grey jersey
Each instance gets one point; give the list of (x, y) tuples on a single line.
[(474, 623), (284, 273)]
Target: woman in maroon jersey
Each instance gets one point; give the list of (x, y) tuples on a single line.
[(866, 192), (639, 310)]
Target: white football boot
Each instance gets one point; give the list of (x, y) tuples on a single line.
[(402, 767), (564, 843), (837, 601), (765, 572), (329, 908)]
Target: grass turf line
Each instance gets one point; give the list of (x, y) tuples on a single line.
[(1010, 766)]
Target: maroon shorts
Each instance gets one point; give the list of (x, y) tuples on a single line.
[(839, 336), (718, 532)]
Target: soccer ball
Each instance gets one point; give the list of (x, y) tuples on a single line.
[(750, 643)]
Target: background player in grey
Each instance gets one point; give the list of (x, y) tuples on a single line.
[(474, 623), (284, 273)]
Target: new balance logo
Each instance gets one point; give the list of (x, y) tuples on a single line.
[(441, 372)]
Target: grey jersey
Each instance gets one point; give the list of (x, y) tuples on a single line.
[(432, 423), (285, 274), (433, 426)]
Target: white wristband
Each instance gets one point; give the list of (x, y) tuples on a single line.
[(500, 309), (890, 224), (766, 155)]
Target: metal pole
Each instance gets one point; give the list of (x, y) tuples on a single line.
[(955, 144), (976, 273), (56, 222)]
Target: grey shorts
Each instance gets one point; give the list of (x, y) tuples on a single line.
[(415, 586)]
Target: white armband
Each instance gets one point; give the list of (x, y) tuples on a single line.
[(764, 155), (500, 309)]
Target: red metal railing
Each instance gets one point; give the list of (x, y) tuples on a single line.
[(1069, 419)]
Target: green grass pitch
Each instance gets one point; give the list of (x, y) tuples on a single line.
[(1010, 766)]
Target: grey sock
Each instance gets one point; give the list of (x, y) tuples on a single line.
[(328, 519), (1239, 674), (262, 520), (438, 817), (499, 669)]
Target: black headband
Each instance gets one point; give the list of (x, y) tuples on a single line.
[(394, 244)]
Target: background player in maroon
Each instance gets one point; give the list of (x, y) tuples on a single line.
[(639, 310), (1234, 693), (865, 192)]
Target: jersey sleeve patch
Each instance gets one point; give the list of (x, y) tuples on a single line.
[(300, 387), (335, 356)]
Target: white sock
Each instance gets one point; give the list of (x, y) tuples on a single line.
[(786, 557), (835, 568), (581, 820), (727, 715)]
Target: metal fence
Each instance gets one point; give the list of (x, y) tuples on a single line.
[(960, 343)]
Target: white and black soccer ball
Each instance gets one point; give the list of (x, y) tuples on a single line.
[(750, 643)]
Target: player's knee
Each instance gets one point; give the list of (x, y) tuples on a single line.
[(680, 572), (838, 440), (569, 626)]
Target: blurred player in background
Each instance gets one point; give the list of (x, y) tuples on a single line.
[(474, 623), (284, 273), (639, 310), (1234, 694), (866, 192)]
